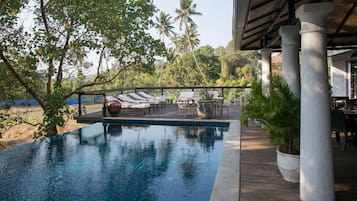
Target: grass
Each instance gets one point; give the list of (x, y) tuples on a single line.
[(22, 133)]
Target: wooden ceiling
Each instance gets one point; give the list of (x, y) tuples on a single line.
[(256, 23)]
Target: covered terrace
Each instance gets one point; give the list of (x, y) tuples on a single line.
[(303, 30)]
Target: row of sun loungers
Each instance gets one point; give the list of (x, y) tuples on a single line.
[(141, 100), (144, 101)]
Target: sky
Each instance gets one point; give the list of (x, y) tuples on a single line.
[(214, 25)]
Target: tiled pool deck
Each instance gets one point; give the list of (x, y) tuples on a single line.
[(248, 170)]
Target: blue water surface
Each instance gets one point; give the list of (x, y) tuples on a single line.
[(122, 163)]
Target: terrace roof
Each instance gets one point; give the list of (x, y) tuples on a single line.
[(256, 23)]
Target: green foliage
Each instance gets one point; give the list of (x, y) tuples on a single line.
[(205, 94), (246, 75), (183, 71), (71, 36), (279, 114), (232, 59), (55, 110)]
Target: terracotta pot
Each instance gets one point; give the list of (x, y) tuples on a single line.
[(114, 108)]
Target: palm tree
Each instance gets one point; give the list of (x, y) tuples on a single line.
[(188, 9), (192, 36), (164, 27)]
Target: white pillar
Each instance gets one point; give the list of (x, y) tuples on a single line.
[(290, 48), (266, 71), (259, 67), (316, 165)]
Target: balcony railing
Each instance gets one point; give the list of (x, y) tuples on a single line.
[(104, 93)]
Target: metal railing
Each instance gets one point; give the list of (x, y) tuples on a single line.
[(104, 93)]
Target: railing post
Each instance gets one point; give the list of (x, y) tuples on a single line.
[(79, 104), (222, 90), (104, 109), (162, 91)]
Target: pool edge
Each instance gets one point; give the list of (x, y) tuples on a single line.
[(227, 183)]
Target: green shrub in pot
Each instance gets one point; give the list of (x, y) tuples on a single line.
[(279, 114)]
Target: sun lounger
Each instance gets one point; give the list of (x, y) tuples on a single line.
[(127, 98), (162, 99), (130, 105), (149, 100), (140, 98)]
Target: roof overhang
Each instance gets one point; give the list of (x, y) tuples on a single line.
[(256, 23)]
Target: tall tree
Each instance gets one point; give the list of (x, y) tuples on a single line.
[(184, 13), (164, 26), (182, 70), (71, 34)]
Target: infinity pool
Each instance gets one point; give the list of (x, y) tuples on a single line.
[(116, 162)]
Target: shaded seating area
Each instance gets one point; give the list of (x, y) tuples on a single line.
[(188, 101), (344, 122)]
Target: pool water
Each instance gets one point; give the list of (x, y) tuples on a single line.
[(113, 162)]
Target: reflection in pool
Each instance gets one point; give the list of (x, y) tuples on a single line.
[(115, 162)]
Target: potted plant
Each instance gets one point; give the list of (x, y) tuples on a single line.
[(205, 105), (279, 115)]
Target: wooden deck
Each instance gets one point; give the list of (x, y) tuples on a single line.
[(259, 176), (261, 180)]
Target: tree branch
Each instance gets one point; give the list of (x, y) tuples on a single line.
[(50, 55), (99, 64), (60, 65), (94, 83), (18, 77)]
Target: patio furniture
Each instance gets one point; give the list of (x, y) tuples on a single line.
[(339, 123), (162, 99), (140, 98), (186, 100), (220, 103), (128, 105)]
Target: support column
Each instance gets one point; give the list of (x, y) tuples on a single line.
[(290, 48), (266, 71), (316, 165)]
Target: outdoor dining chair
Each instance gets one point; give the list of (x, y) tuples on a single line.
[(339, 123)]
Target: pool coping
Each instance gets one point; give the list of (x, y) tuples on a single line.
[(227, 183)]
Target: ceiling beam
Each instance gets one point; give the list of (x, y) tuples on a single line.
[(347, 16), (342, 35), (254, 34), (278, 14), (262, 16), (260, 5), (258, 26)]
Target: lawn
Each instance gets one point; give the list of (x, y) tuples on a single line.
[(22, 133)]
